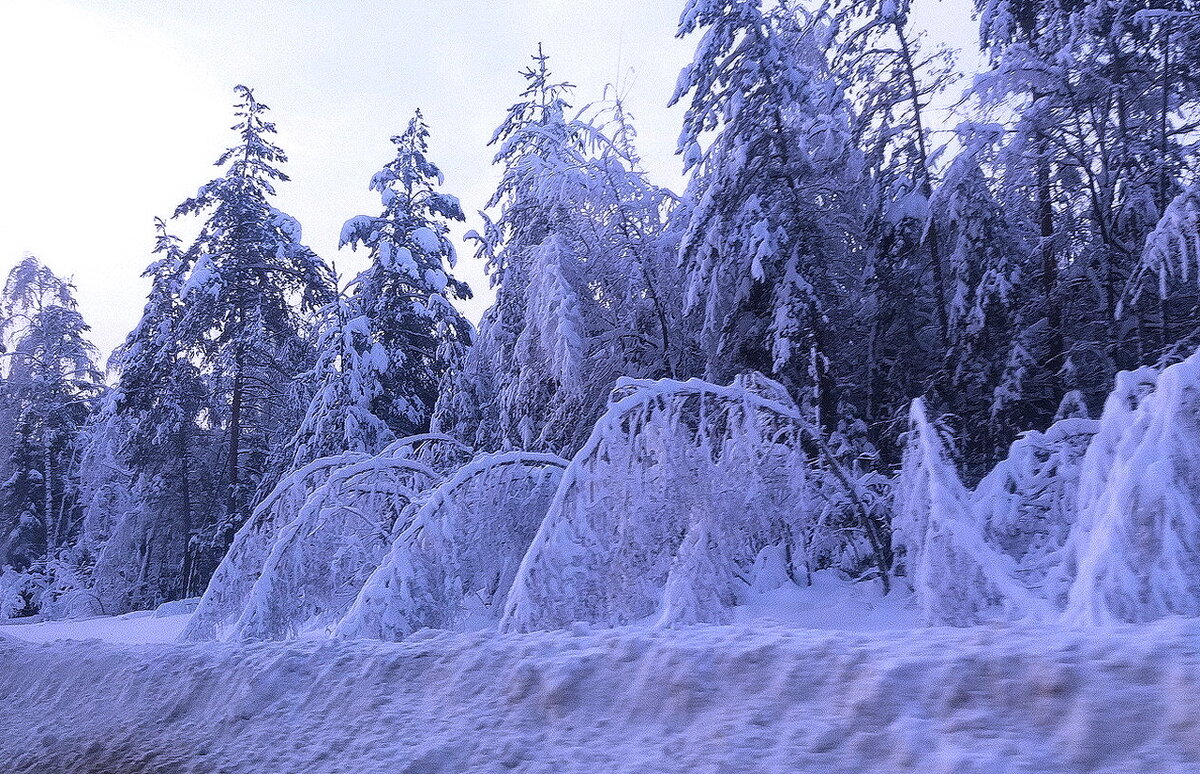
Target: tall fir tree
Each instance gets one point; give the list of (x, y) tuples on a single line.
[(50, 386), (251, 288), (773, 198), (580, 256)]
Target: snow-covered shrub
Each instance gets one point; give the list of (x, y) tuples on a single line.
[(958, 579), (14, 591), (679, 488), (320, 560), (453, 566), (227, 592), (1137, 543), (1027, 503), (63, 588), (307, 550)]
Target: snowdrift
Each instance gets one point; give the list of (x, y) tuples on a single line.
[(701, 700)]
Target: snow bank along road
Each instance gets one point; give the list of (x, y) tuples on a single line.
[(708, 699)]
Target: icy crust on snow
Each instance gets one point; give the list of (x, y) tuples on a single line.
[(292, 570), (665, 510), (453, 566), (709, 699)]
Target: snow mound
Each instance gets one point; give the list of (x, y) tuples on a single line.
[(708, 699), (453, 566), (667, 508)]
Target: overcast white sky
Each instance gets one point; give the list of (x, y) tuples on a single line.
[(114, 110)]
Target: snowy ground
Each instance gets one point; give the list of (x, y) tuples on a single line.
[(133, 628), (753, 697)]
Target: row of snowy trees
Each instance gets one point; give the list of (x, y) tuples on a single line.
[(829, 237)]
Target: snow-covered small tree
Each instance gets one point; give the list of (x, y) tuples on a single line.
[(297, 565), (676, 479), (957, 577), (453, 566), (231, 584), (1138, 544), (49, 386), (351, 366), (1028, 503)]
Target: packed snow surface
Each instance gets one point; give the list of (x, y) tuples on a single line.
[(135, 628), (740, 698)]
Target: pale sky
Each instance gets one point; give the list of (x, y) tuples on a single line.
[(115, 110)]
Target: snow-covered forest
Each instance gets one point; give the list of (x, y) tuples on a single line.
[(954, 365)]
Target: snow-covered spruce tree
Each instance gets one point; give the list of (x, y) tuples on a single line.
[(957, 577), (151, 440), (412, 329), (983, 256), (348, 378), (495, 402), (250, 288), (49, 387), (580, 258), (772, 198)]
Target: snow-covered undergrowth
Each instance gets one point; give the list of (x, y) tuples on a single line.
[(452, 567), (959, 578), (680, 488), (1089, 522), (704, 699), (302, 558), (689, 500), (1138, 543)]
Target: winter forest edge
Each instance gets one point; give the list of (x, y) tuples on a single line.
[(962, 370)]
